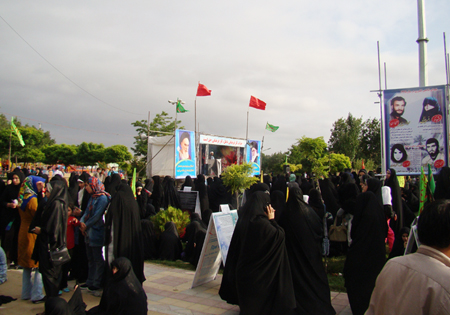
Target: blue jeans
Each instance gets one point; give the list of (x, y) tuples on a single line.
[(3, 266), (96, 265), (32, 290)]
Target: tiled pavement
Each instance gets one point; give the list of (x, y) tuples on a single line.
[(168, 291)]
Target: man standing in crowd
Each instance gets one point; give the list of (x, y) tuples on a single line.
[(419, 283)]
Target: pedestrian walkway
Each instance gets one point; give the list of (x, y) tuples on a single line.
[(168, 291)]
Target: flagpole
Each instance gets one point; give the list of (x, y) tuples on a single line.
[(195, 128), (246, 133), (9, 157)]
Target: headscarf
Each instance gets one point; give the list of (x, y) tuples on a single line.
[(28, 190), (98, 188)]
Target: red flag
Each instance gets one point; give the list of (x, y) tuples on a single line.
[(257, 103), (363, 166), (203, 90)]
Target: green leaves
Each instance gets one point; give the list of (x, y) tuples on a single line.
[(161, 123)]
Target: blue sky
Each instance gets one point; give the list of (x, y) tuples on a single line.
[(311, 62)]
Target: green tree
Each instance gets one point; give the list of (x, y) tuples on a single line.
[(238, 177), (160, 126), (272, 163), (35, 139), (370, 145), (346, 136), (307, 151), (332, 163), (116, 154), (60, 154), (89, 153)]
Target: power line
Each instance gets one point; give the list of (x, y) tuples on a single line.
[(60, 72), (94, 131)]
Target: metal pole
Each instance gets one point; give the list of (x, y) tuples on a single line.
[(385, 77), (246, 133), (380, 95), (149, 152), (422, 41), (9, 156), (446, 60)]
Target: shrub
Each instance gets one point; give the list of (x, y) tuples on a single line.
[(180, 218)]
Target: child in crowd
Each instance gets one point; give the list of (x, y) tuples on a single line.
[(72, 222)]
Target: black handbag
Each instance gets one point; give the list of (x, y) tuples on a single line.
[(60, 255)]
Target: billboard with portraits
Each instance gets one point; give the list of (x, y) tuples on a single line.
[(253, 152), (184, 154), (416, 129)]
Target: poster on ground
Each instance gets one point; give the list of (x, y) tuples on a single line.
[(253, 152), (215, 247), (416, 129), (184, 154)]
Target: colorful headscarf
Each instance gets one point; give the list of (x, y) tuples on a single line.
[(98, 188), (29, 190)]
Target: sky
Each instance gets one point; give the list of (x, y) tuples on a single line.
[(85, 70)]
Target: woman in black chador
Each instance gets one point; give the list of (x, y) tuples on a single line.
[(304, 233), (124, 294), (367, 253), (169, 243), (123, 230), (257, 275)]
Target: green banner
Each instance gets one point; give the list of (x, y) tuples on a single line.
[(271, 127), (13, 126)]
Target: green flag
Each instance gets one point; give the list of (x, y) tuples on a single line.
[(180, 108), (431, 182), (423, 190), (133, 183), (13, 126), (271, 127)]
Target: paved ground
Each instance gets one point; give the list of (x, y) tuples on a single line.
[(168, 291)]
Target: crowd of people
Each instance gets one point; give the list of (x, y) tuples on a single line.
[(274, 264)]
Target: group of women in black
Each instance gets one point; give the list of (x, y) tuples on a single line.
[(274, 266)]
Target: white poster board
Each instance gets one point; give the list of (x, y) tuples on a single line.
[(215, 247)]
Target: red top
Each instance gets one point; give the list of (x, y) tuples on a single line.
[(71, 223)]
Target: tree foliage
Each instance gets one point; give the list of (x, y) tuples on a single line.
[(307, 151), (89, 153), (370, 145), (60, 154), (238, 177), (35, 140), (116, 153), (161, 123), (346, 136), (272, 163)]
